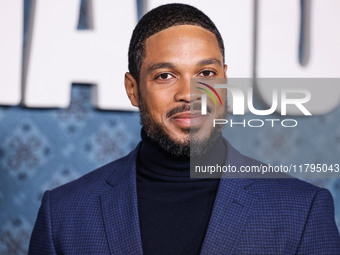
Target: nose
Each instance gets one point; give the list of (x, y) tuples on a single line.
[(185, 93)]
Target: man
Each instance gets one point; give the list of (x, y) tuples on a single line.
[(146, 202)]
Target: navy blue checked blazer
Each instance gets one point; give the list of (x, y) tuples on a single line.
[(97, 214)]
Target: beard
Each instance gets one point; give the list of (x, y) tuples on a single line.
[(191, 146)]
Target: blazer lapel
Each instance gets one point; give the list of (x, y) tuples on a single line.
[(119, 208), (232, 207)]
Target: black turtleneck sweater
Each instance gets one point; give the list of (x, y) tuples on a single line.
[(174, 210)]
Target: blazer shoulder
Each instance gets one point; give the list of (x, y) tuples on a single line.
[(94, 182), (283, 185)]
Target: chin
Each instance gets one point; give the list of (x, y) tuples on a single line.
[(182, 139)]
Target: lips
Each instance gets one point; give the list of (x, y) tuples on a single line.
[(188, 119)]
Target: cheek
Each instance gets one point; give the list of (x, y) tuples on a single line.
[(157, 105), (224, 98), (221, 108)]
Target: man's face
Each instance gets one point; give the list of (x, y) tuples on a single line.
[(172, 57)]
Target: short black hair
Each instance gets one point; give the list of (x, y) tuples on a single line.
[(161, 18)]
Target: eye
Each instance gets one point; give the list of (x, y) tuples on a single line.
[(164, 76), (207, 73)]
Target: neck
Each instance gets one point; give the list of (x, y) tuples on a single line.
[(159, 165)]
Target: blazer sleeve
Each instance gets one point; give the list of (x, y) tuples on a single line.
[(41, 239), (320, 235)]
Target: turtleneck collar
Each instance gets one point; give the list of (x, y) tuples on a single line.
[(155, 164)]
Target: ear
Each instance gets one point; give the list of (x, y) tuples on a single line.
[(131, 89), (225, 70)]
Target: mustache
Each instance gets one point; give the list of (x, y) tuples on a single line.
[(186, 108)]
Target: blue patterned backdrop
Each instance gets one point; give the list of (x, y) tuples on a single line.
[(42, 149)]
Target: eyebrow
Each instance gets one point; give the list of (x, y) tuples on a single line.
[(209, 61), (203, 62), (160, 65)]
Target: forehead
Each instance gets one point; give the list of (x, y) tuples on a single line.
[(181, 41)]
